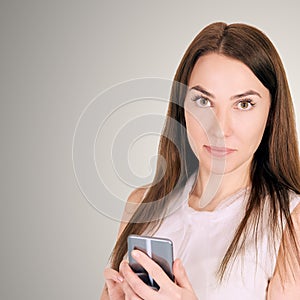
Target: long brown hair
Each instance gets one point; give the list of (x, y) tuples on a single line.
[(275, 165)]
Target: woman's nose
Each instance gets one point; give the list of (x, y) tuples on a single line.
[(221, 125)]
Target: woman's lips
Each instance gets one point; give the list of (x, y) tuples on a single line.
[(219, 151)]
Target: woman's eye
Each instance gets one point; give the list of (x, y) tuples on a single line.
[(202, 102), (245, 105)]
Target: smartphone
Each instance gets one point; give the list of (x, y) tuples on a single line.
[(159, 249)]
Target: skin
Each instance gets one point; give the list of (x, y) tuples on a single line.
[(225, 127), (127, 285)]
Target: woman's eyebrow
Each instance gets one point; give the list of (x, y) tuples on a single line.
[(202, 90), (247, 93)]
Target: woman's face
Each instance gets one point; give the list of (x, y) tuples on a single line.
[(226, 110)]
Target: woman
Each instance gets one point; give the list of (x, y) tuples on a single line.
[(229, 191)]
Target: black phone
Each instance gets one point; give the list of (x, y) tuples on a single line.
[(158, 249)]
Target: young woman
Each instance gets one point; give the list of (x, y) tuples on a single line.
[(228, 194)]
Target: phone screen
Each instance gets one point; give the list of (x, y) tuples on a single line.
[(159, 249)]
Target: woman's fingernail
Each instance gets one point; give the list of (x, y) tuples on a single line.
[(135, 253), (120, 278)]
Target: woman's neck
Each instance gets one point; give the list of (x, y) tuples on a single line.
[(210, 190)]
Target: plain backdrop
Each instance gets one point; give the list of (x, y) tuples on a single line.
[(55, 57)]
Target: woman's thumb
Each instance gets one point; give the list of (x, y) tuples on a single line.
[(181, 276)]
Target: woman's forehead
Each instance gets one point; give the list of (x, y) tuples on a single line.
[(217, 73)]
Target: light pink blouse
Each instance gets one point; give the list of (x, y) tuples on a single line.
[(201, 239)]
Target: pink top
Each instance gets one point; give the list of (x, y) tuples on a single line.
[(201, 239)]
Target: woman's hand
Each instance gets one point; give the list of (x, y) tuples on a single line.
[(135, 288), (114, 281)]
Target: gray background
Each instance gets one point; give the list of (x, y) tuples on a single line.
[(55, 57)]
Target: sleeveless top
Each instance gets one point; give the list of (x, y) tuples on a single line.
[(201, 238)]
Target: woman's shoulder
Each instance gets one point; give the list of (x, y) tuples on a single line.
[(295, 210), (138, 194), (295, 207), (294, 201), (133, 201), (285, 281)]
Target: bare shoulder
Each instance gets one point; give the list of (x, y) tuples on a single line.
[(286, 279), (296, 215), (133, 202), (137, 195)]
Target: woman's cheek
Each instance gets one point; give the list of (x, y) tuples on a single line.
[(195, 137)]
